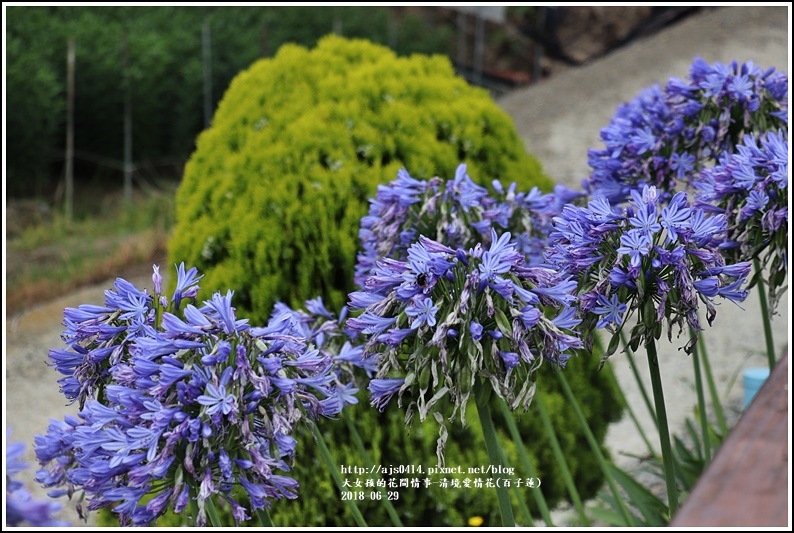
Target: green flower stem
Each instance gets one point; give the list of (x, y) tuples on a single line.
[(664, 431), (264, 518), (637, 377), (331, 465), (522, 504), (192, 506), (591, 440), (481, 394), (770, 343), (561, 462), (704, 423), (715, 399), (362, 450), (212, 513), (523, 456)]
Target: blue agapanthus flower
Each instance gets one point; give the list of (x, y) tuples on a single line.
[(665, 136), (325, 330), (750, 188), (611, 311), (661, 262), (183, 401), (454, 281), (458, 213), (21, 508), (443, 319)]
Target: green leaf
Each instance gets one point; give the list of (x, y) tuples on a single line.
[(614, 515), (613, 345), (654, 511), (502, 322), (608, 516)]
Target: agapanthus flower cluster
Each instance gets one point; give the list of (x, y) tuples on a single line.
[(21, 508), (664, 137), (444, 319), (750, 187), (97, 337), (324, 329), (458, 213), (660, 262), (181, 403)]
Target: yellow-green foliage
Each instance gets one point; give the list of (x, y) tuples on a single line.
[(271, 199)]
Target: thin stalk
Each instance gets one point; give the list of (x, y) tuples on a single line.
[(192, 507), (664, 430), (523, 456), (560, 458), (331, 465), (481, 393), (770, 343), (212, 513), (264, 518), (715, 399), (522, 505), (362, 450), (591, 440), (704, 423), (637, 377)]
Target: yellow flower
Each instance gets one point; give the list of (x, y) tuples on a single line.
[(475, 521)]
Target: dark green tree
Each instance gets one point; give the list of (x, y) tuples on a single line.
[(164, 73), (35, 99)]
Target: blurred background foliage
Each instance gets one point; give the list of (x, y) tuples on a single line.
[(166, 68), (166, 73)]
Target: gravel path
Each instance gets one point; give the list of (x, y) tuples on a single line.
[(558, 120)]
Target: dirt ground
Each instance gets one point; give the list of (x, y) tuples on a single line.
[(558, 120)]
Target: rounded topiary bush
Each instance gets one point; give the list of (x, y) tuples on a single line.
[(272, 197)]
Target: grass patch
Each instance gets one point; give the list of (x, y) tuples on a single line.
[(99, 217), (53, 257)]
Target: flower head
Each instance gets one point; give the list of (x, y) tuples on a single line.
[(184, 400), (21, 508), (430, 341), (632, 264), (458, 213), (666, 136), (750, 189)]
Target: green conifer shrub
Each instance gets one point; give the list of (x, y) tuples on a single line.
[(272, 197)]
